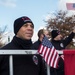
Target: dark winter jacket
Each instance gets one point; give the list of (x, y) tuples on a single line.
[(22, 64), (36, 45), (61, 45)]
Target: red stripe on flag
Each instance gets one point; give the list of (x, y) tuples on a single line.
[(47, 60), (49, 53), (41, 49), (51, 61), (55, 60), (45, 52)]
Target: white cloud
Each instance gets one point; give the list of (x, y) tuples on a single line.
[(8, 3)]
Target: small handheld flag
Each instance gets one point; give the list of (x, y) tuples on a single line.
[(48, 52)]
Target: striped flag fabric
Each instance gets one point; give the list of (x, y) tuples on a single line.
[(48, 52), (70, 6)]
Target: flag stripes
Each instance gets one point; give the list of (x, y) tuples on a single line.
[(49, 53)]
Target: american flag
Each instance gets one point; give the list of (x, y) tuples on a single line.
[(49, 53), (70, 6)]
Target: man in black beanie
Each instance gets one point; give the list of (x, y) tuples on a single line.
[(18, 23), (22, 64), (59, 43), (55, 33)]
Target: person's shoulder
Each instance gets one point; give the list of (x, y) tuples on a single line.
[(35, 45), (7, 46), (37, 42)]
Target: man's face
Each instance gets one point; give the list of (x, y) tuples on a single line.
[(26, 31)]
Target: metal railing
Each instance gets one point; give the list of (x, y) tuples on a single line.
[(20, 52)]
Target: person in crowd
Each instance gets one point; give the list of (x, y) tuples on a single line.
[(41, 33), (58, 41), (22, 64), (60, 44), (36, 45), (46, 33)]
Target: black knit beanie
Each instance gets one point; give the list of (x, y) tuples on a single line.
[(18, 23), (54, 33)]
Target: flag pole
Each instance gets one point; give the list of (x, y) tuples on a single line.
[(48, 69)]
